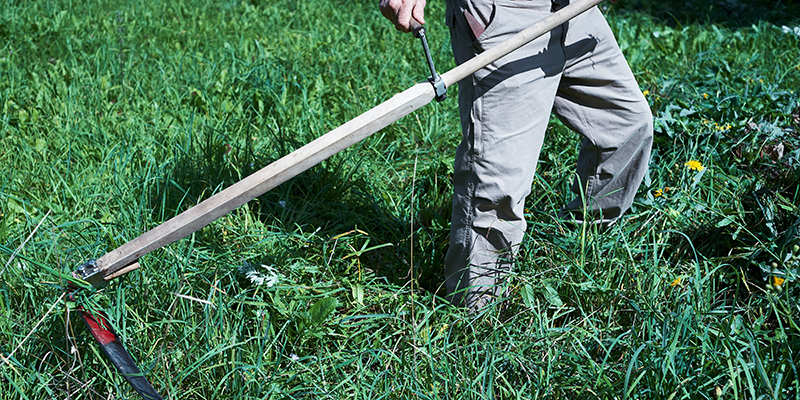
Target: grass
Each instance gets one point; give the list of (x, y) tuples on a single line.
[(118, 115)]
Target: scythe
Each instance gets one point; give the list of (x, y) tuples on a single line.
[(125, 258)]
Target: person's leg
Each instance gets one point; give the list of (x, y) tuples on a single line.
[(505, 108), (599, 98)]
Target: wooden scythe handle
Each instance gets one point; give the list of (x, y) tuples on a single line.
[(124, 258)]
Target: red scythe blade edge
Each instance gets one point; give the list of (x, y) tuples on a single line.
[(113, 349)]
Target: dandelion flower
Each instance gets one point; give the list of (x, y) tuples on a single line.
[(777, 281), (694, 165), (645, 93), (658, 193), (705, 95), (676, 282)]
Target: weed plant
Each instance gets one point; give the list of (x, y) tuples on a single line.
[(117, 115)]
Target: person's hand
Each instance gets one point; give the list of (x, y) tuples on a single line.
[(400, 12)]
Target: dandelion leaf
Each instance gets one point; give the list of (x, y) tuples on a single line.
[(320, 311), (551, 296), (528, 296)]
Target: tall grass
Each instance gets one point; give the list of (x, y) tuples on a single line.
[(118, 115)]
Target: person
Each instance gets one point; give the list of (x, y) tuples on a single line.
[(576, 71)]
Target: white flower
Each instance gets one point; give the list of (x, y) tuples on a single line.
[(795, 30), (269, 276)]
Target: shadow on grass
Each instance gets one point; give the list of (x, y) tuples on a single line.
[(330, 200), (731, 13)]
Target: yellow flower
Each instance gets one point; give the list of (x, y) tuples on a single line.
[(777, 281), (645, 93), (705, 95), (658, 193), (676, 282), (694, 165)]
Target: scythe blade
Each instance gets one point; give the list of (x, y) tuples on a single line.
[(112, 347)]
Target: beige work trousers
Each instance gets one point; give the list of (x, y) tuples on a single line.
[(578, 72)]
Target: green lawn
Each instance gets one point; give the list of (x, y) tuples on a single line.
[(116, 115)]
